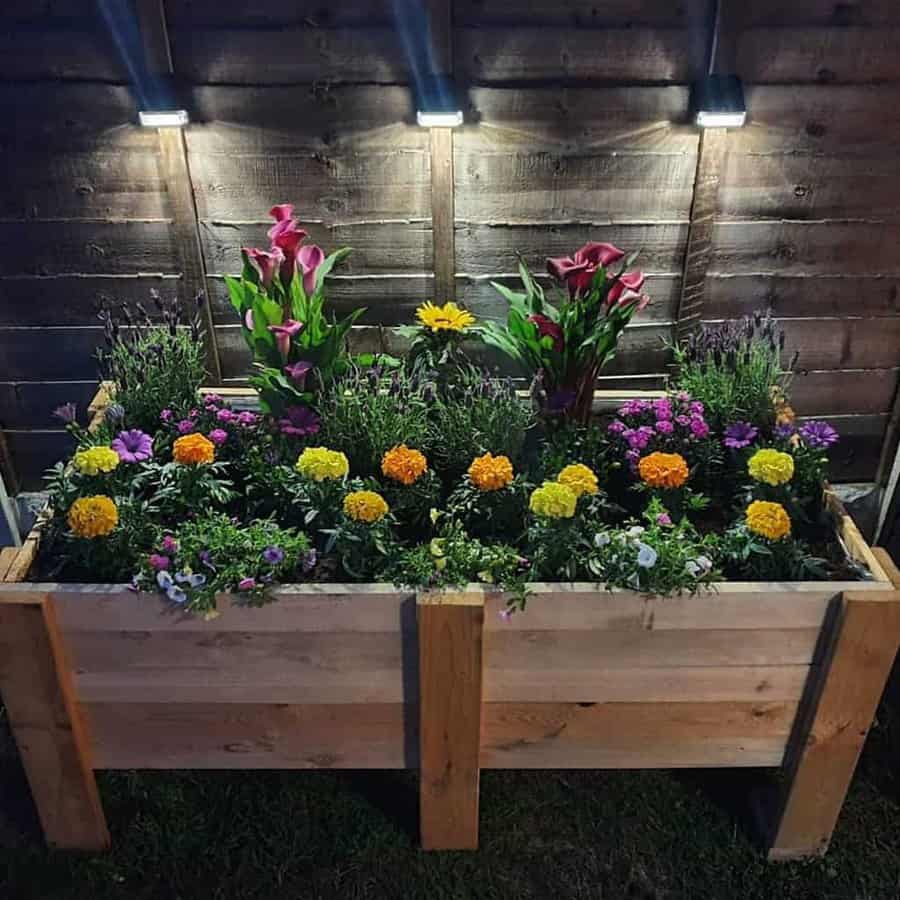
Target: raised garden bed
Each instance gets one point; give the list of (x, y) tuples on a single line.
[(368, 676)]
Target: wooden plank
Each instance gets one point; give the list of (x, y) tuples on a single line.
[(685, 684), (825, 55), (576, 13), (698, 252), (46, 722), (853, 539), (7, 557), (177, 175), (288, 55), (887, 563), (35, 451), (198, 13), (443, 216), (843, 392), (450, 714), (252, 736), (333, 187), (815, 12), (634, 735), (80, 52), (562, 187), (517, 54), (31, 404), (839, 712), (809, 186)]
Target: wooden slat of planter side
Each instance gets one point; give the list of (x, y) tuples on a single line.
[(46, 721), (840, 709), (634, 735), (252, 736)]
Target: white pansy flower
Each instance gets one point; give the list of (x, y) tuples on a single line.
[(601, 539)]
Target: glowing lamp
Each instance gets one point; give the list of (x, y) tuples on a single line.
[(163, 118), (718, 102), (437, 105), (429, 119)]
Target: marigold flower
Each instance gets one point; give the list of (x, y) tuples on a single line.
[(448, 317), (365, 506), (771, 466), (95, 460), (321, 464), (403, 464), (553, 500), (193, 449), (663, 470), (91, 517), (491, 473), (768, 519), (580, 478)]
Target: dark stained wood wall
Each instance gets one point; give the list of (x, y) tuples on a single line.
[(577, 131)]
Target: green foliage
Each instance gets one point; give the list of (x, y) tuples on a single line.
[(362, 549), (214, 554), (491, 515), (182, 491), (573, 442), (750, 557), (153, 366), (411, 504)]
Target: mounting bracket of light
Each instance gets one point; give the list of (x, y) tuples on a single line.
[(718, 102)]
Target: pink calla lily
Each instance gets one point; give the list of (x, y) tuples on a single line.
[(266, 262), (309, 258), (286, 236), (548, 328), (283, 334), (628, 283), (578, 271)]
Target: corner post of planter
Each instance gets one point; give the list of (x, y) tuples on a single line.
[(450, 667), (46, 722), (841, 706)]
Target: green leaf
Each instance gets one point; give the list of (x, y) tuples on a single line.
[(236, 295), (328, 264)]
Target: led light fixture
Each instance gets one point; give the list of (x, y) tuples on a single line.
[(718, 102), (163, 118), (436, 102), (429, 119)]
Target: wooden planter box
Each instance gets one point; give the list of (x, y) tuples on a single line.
[(367, 676)]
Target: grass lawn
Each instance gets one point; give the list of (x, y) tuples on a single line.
[(598, 835)]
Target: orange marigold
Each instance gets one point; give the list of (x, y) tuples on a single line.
[(193, 449), (663, 470), (404, 465), (491, 473)]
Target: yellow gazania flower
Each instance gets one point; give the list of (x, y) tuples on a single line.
[(491, 473), (91, 517), (771, 466), (193, 449), (768, 519), (663, 470), (553, 500), (95, 460), (580, 478), (404, 465), (365, 506), (321, 464), (448, 317)]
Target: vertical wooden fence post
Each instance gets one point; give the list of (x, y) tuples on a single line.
[(825, 752), (37, 690), (450, 639)]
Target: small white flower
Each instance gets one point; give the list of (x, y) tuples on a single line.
[(698, 567), (647, 556), (705, 562), (164, 580), (635, 531), (601, 539)]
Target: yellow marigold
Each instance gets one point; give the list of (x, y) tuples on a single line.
[(95, 460), (321, 464), (490, 473), (768, 519), (580, 478), (448, 317), (771, 466), (91, 517), (365, 506), (193, 449), (404, 465), (663, 470), (553, 500)]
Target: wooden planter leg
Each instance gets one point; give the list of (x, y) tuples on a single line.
[(37, 690), (450, 635), (826, 750)]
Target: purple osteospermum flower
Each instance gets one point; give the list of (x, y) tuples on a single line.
[(739, 435), (246, 584), (299, 421), (818, 435), (159, 562), (66, 413), (169, 544), (616, 427), (185, 426), (218, 436), (133, 446), (297, 372), (784, 432), (273, 555)]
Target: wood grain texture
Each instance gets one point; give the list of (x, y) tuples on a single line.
[(174, 735), (46, 723), (84, 51), (814, 12), (443, 215), (577, 13), (450, 717), (634, 735), (838, 714)]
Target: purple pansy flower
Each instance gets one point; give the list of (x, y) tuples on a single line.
[(818, 435), (739, 435), (297, 372), (159, 562), (299, 421), (133, 446), (185, 426), (273, 555), (218, 436)]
